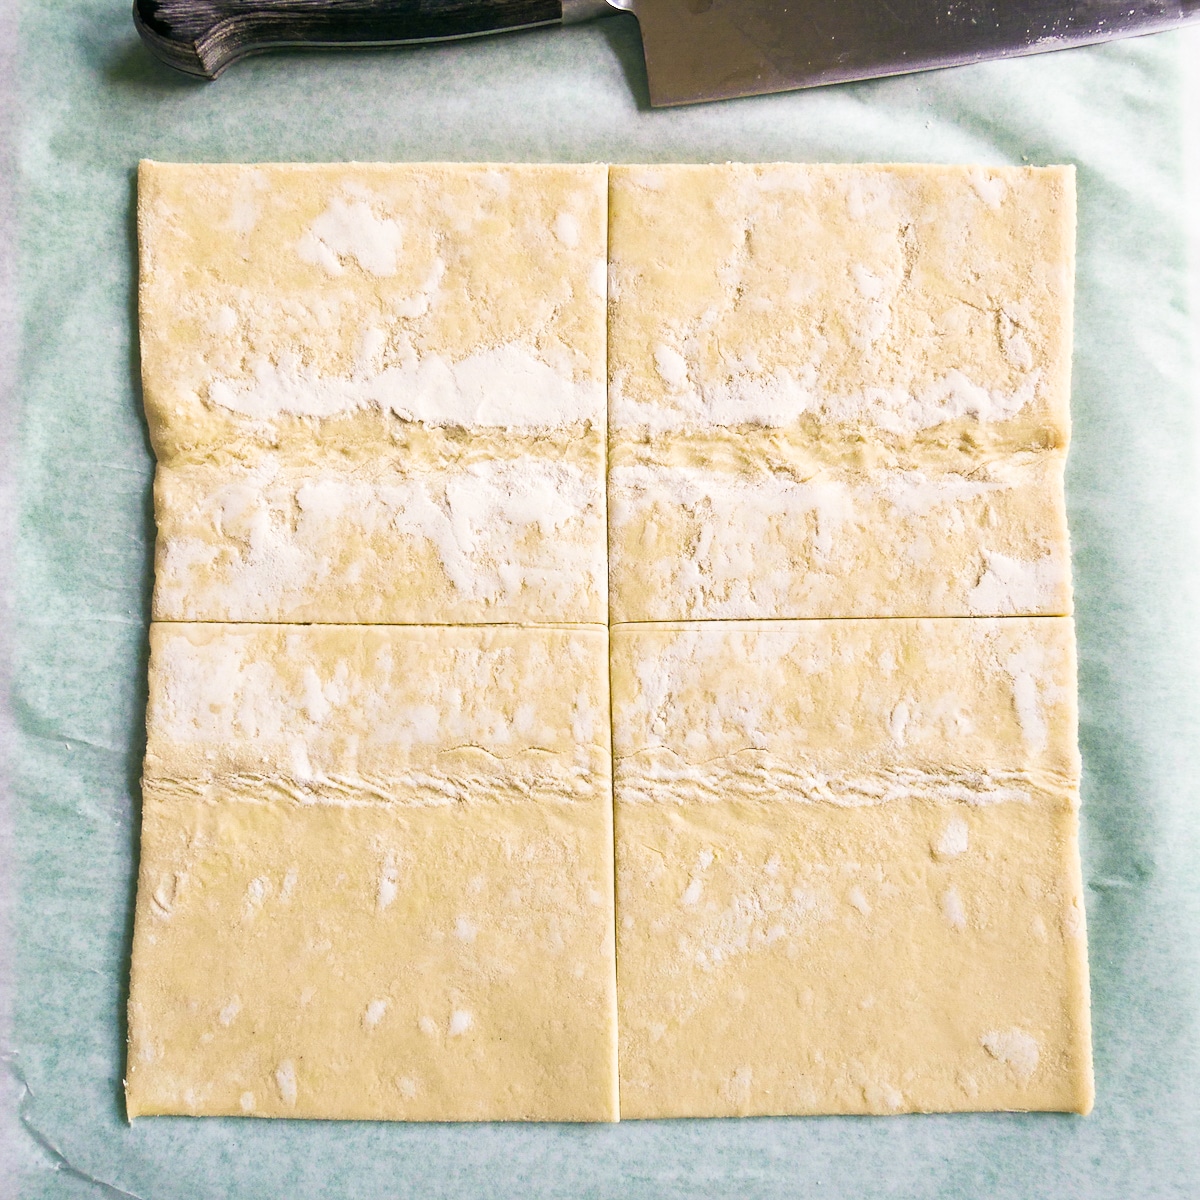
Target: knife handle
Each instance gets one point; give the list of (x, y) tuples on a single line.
[(202, 37)]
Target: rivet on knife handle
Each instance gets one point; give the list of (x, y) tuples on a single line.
[(202, 37)]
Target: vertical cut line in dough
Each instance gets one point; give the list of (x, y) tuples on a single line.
[(608, 603), (616, 1031)]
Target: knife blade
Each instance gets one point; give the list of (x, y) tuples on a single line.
[(695, 50), (718, 49)]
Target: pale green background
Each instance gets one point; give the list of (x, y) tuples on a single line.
[(91, 104)]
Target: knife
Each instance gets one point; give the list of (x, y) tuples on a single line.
[(695, 49)]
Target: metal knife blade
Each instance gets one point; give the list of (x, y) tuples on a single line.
[(695, 49), (717, 49)]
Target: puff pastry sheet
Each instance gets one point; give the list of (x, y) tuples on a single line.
[(376, 392), (429, 437), (376, 875), (847, 868), (839, 391)]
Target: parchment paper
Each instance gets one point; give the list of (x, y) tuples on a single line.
[(91, 104)]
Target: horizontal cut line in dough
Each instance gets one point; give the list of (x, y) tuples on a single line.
[(618, 624), (400, 624), (785, 621), (682, 624)]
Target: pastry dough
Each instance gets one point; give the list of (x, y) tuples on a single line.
[(377, 850), (376, 393), (838, 391), (376, 875), (847, 867)]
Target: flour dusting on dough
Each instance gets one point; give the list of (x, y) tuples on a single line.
[(1015, 1048), (1014, 585), (285, 1081), (350, 229), (509, 386)]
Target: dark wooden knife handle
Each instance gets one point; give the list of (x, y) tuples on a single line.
[(202, 37)]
